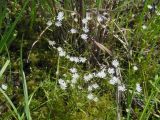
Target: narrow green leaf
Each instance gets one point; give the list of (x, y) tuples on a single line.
[(4, 67)]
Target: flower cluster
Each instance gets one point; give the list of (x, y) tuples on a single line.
[(75, 76), (76, 59), (101, 74), (62, 53), (121, 87), (89, 78), (93, 86), (85, 22), (60, 17), (85, 28), (73, 81), (114, 74), (51, 43), (114, 80)]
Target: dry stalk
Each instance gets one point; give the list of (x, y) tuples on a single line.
[(38, 39), (119, 94), (102, 47)]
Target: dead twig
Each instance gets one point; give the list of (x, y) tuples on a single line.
[(102, 47), (119, 94), (38, 39)]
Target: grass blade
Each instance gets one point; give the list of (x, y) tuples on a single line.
[(4, 94), (25, 90), (8, 32), (4, 67)]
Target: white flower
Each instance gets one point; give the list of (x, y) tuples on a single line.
[(84, 36), (114, 80), (73, 70), (51, 42), (75, 19), (90, 96), (90, 88), (73, 81), (62, 83), (149, 6), (95, 99), (85, 29), (58, 23), (88, 77), (84, 21), (95, 86), (100, 18), (60, 16), (127, 110), (67, 56), (62, 53), (115, 63), (71, 59), (73, 31), (88, 16), (82, 59), (104, 13), (4, 86), (138, 87), (111, 70), (144, 27), (101, 74), (121, 88), (75, 76), (133, 15), (59, 49), (76, 59), (135, 68), (49, 23)]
